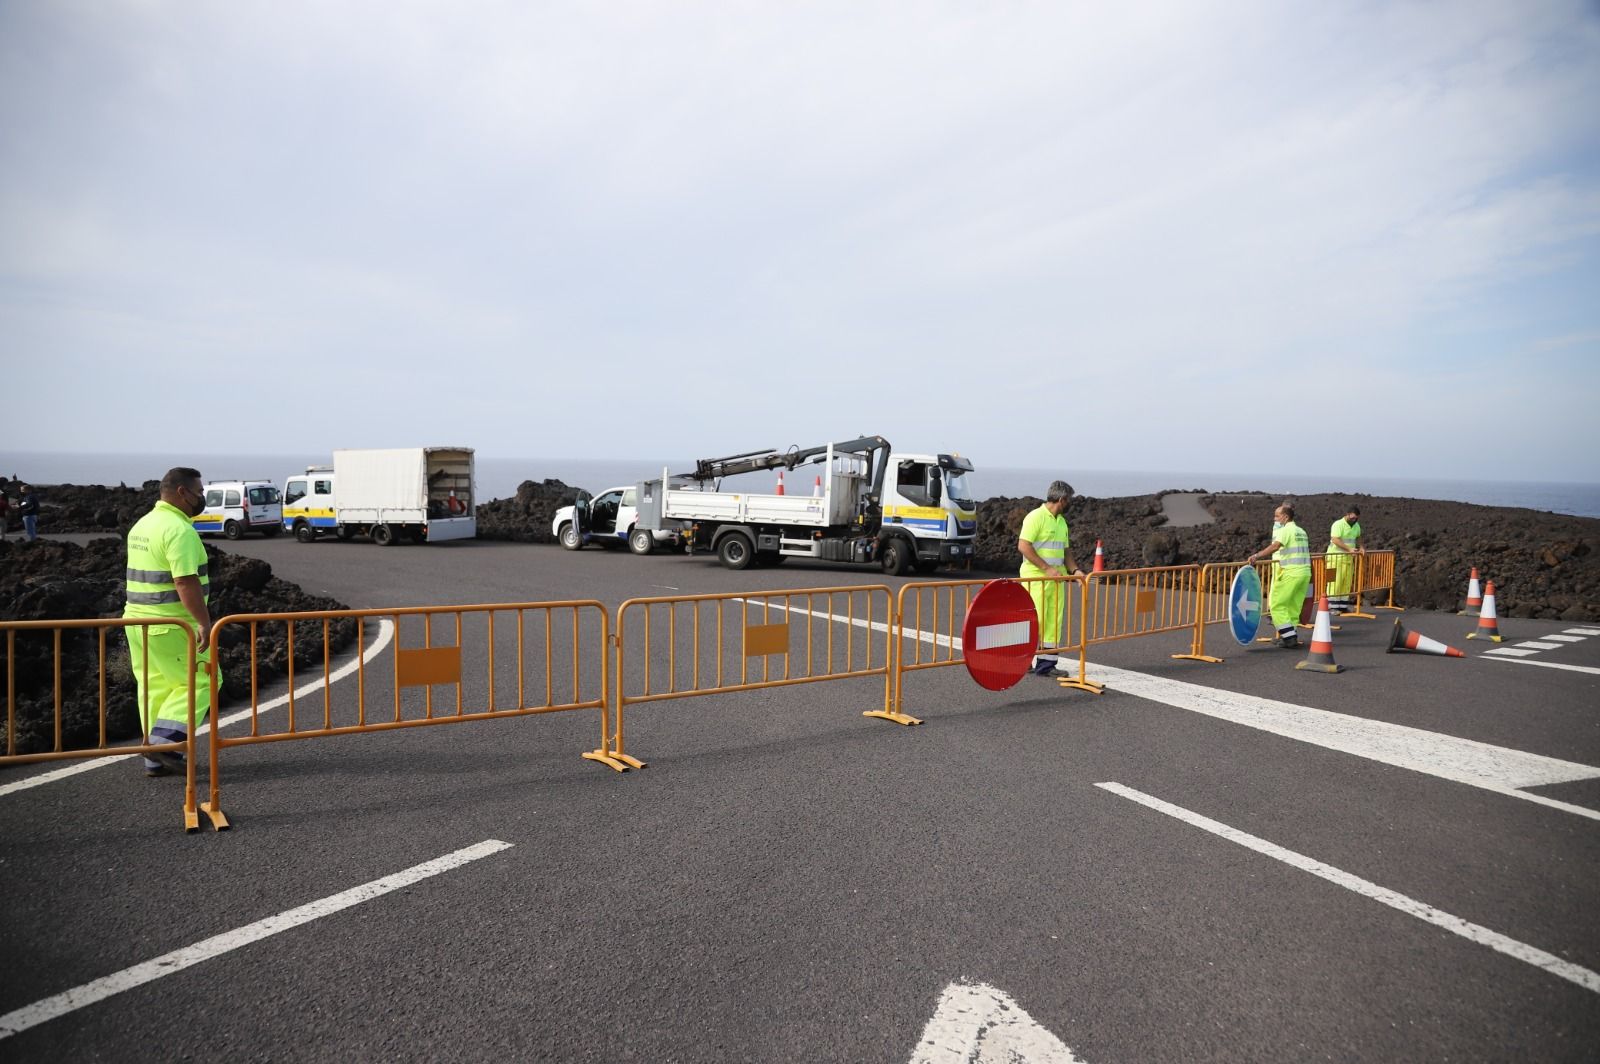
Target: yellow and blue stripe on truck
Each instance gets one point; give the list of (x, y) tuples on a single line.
[(315, 516), (929, 520)]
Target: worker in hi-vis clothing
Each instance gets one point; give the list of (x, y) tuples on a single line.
[(167, 577), (1291, 550), (1047, 551), (1344, 540)]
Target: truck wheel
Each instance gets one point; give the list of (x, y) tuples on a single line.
[(896, 557), (232, 530), (382, 535), (641, 541), (570, 538), (304, 532), (735, 551)]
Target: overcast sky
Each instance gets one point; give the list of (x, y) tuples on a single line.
[(1237, 236)]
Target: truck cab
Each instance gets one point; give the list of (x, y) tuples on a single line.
[(929, 515), (308, 504)]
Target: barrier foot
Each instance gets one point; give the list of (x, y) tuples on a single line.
[(219, 822), (1358, 615), (608, 759), (1083, 685), (1397, 609), (898, 718), (191, 821), (631, 762), (1198, 657)]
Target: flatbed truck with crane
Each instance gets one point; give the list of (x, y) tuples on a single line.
[(870, 505)]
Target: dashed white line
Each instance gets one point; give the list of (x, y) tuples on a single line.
[(385, 634), (1562, 638), (78, 997), (1549, 665), (1583, 977), (1534, 644), (1510, 652), (1583, 631)]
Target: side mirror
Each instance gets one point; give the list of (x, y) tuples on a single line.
[(935, 485)]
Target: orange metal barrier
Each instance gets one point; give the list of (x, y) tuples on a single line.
[(709, 641), (930, 615), (557, 630), (1375, 572), (1124, 603), (73, 688)]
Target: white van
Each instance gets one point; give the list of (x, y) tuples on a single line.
[(234, 507)]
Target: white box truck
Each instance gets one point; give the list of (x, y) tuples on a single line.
[(868, 504), (424, 494)]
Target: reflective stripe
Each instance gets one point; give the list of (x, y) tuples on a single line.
[(152, 598), (1050, 544), (150, 576)]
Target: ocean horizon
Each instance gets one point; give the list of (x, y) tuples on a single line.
[(498, 477)]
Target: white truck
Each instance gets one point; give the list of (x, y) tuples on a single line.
[(424, 494), (866, 504)]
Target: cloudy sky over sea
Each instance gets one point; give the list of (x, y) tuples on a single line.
[(1349, 238)]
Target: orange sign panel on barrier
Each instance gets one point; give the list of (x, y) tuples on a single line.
[(52, 689), (761, 640), (428, 666)]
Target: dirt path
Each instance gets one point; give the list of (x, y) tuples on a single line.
[(1183, 510)]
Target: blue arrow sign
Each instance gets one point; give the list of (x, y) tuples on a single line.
[(1244, 605)]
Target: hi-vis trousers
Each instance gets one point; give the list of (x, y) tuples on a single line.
[(164, 698)]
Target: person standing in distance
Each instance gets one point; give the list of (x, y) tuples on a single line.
[(28, 507), (1046, 550), (1344, 540), (167, 577), (1291, 550)]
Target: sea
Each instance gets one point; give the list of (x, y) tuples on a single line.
[(499, 476)]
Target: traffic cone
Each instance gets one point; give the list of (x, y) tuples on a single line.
[(1488, 626), (1474, 597), (816, 489), (780, 483), (1321, 657), (1404, 640), (1099, 557)]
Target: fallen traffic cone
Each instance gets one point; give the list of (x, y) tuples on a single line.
[(1488, 626), (816, 489), (1404, 640), (1474, 597), (1321, 657), (780, 483), (1099, 557)]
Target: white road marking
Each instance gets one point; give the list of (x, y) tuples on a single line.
[(385, 634), (1550, 665), (1583, 977), (1583, 631), (1510, 652), (1491, 768), (78, 997), (977, 1024), (1534, 644), (1562, 638)]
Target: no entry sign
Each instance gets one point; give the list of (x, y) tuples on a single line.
[(1000, 635)]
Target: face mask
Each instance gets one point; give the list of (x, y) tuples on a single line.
[(1277, 525), (199, 506)]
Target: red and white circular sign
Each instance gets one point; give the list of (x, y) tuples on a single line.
[(1000, 635)]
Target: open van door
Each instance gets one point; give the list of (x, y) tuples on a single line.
[(576, 534)]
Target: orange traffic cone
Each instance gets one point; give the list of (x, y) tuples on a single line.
[(1404, 640), (1099, 557), (1321, 657), (1488, 626), (816, 489), (1474, 597), (780, 483)]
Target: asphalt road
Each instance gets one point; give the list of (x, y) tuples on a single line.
[(791, 881)]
